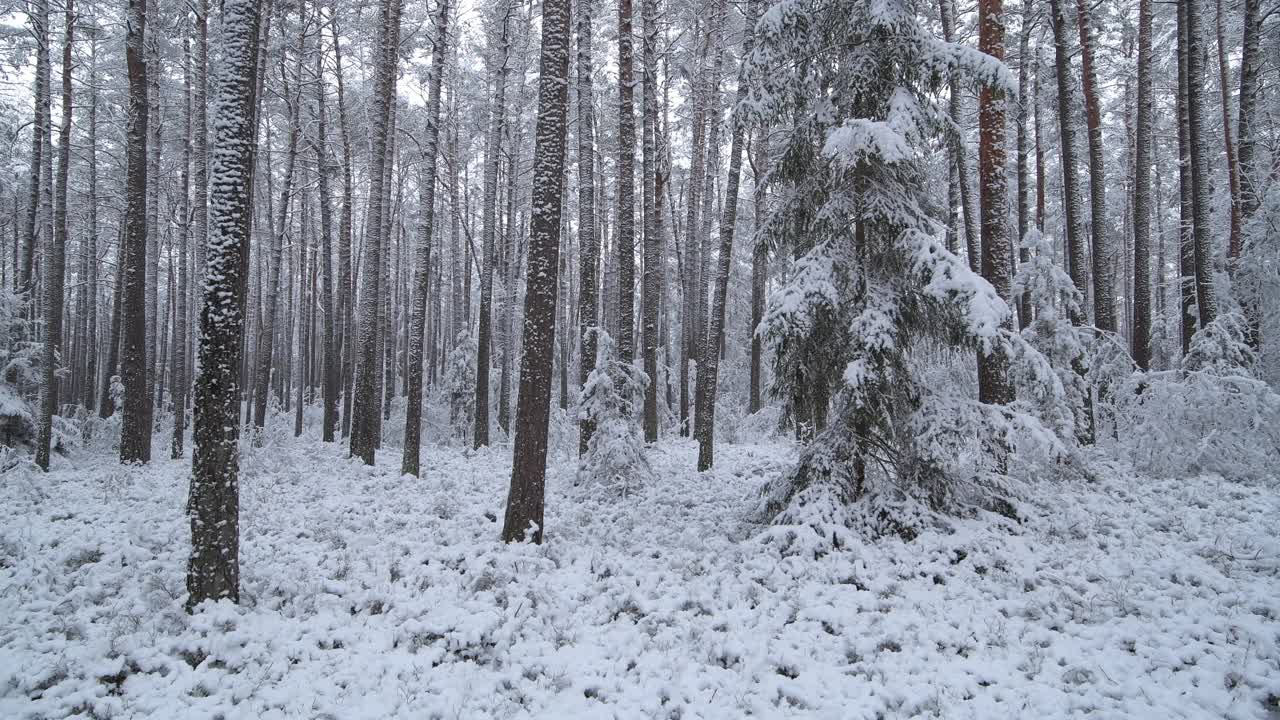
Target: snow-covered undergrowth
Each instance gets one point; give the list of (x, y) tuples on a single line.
[(369, 595)]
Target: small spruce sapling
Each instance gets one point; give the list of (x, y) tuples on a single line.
[(615, 455)]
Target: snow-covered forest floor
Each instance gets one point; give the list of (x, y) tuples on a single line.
[(370, 595)]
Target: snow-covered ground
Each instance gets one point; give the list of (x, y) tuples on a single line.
[(370, 595)]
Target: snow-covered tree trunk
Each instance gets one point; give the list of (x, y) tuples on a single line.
[(40, 132), (524, 512), (1251, 60), (709, 366), (997, 252), (422, 253), (181, 312), (693, 206), (489, 219), (1251, 183), (1140, 345), (1025, 98), (135, 429), (1198, 140), (588, 238), (54, 261), (330, 357), (759, 268), (1186, 227), (94, 352), (652, 243), (214, 502), (709, 179), (271, 303), (1074, 221), (346, 291), (1104, 298), (1233, 165), (626, 202), (959, 154), (364, 427), (155, 69)]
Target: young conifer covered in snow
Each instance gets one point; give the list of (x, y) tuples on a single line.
[(873, 283), (615, 389)]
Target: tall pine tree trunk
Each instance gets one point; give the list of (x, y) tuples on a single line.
[(759, 269), (959, 155), (1197, 139), (997, 252), (1025, 61), (1233, 166), (529, 462), (330, 357), (422, 253), (709, 366), (54, 262), (40, 131), (1186, 227), (135, 429), (272, 301), (1141, 334), (365, 423), (1074, 221), (179, 391), (213, 572), (1104, 298), (484, 339), (588, 238), (346, 293), (626, 232), (652, 243), (693, 194)]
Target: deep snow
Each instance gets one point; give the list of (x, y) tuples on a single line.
[(370, 595)]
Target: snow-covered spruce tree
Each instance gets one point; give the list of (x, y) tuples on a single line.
[(615, 452), (872, 286), (460, 385), (19, 370), (1054, 301)]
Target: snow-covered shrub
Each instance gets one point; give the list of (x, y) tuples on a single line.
[(1212, 416), (1256, 283), (460, 386), (613, 391), (1221, 347)]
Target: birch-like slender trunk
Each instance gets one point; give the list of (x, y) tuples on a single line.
[(489, 218), (271, 302), (54, 260), (422, 253), (179, 379), (709, 366), (959, 153)]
